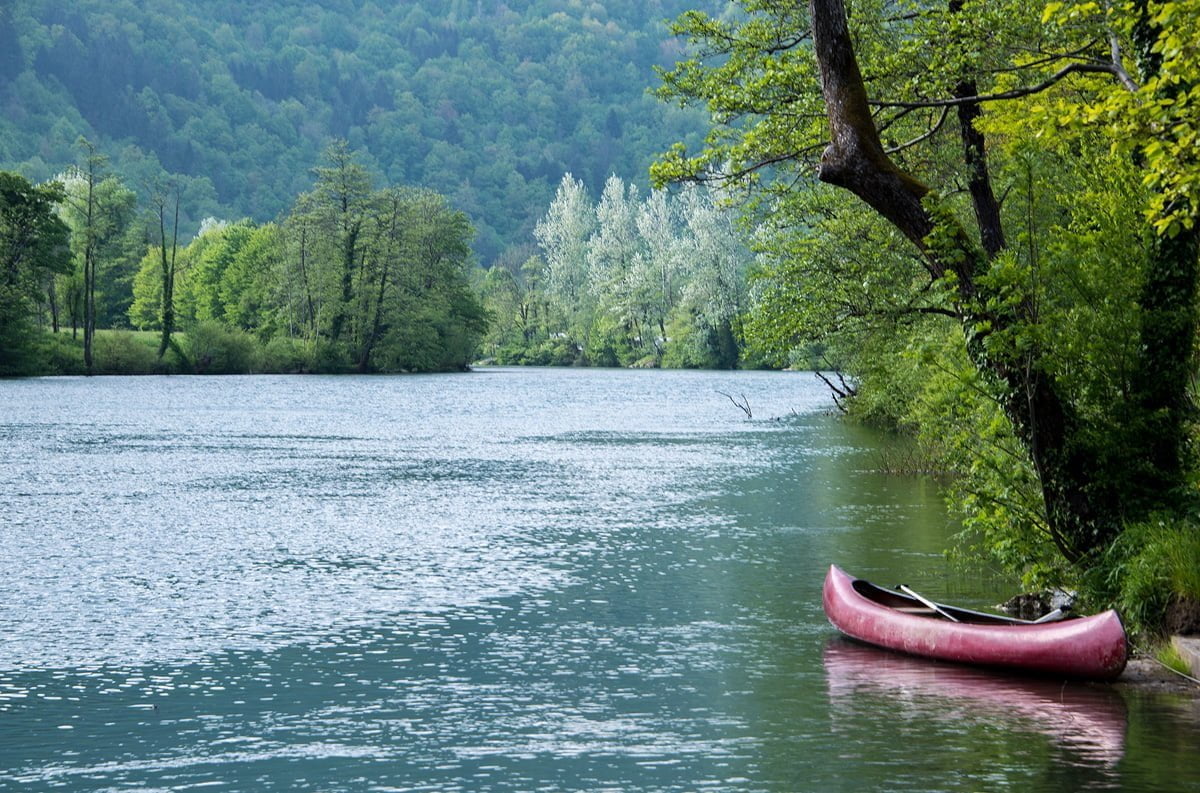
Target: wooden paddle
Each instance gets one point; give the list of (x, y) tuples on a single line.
[(928, 603)]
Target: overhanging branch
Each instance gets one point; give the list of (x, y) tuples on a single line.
[(1082, 68)]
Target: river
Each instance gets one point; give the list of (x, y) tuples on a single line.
[(509, 580)]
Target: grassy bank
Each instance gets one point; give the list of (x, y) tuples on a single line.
[(208, 348)]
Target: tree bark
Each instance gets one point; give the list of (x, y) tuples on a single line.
[(52, 294), (979, 183), (167, 307), (855, 159)]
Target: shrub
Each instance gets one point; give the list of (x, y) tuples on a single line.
[(286, 355), (124, 352), (215, 349), (326, 357), (58, 353)]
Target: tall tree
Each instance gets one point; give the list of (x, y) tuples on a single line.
[(341, 201), (779, 101), (613, 256), (34, 245), (165, 198), (99, 210), (563, 235)]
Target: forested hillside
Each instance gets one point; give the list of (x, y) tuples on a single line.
[(485, 101)]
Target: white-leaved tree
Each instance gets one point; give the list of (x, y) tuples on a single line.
[(563, 235), (637, 276), (661, 266), (614, 251), (717, 258)]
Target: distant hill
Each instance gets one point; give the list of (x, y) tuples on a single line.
[(486, 101)]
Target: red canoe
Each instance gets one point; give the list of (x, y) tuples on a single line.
[(1088, 647)]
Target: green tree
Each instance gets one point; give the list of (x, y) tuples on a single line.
[(99, 209), (34, 246), (376, 278), (435, 319), (781, 105), (337, 211), (164, 196), (249, 286)]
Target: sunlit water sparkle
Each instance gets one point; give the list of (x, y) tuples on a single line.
[(512, 580)]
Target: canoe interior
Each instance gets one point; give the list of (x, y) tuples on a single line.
[(901, 602)]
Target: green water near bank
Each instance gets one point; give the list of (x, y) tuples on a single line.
[(510, 580)]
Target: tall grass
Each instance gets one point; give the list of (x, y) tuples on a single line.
[(1152, 574)]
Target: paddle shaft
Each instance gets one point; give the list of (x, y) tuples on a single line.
[(927, 602)]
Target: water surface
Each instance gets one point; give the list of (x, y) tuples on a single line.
[(513, 580)]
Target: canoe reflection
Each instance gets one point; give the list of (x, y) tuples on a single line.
[(1087, 720)]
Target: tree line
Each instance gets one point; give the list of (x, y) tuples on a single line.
[(627, 280), (353, 277)]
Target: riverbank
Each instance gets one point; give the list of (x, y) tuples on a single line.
[(206, 348), (1147, 673)]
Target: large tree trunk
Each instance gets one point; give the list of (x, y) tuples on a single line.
[(52, 294), (1081, 513)]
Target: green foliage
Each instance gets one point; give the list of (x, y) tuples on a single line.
[(1058, 332), (992, 489), (33, 252), (691, 345), (212, 279), (33, 239), (626, 281), (352, 278), (101, 219), (215, 348), (1148, 570), (286, 355), (147, 292), (127, 352), (17, 355), (57, 354), (488, 103)]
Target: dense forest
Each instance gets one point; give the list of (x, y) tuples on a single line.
[(486, 102)]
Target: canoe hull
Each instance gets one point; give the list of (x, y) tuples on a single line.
[(1090, 647)]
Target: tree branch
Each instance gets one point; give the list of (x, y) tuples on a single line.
[(1016, 93), (744, 404), (923, 136)]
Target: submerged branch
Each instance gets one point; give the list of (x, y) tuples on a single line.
[(743, 404)]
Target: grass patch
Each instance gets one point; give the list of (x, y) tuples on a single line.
[(1170, 657)]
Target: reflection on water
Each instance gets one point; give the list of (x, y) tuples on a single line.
[(1090, 721), (514, 580)]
